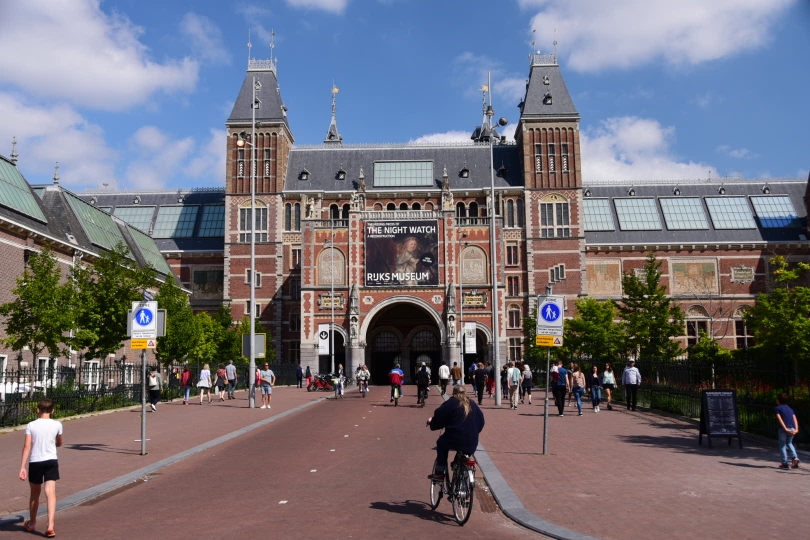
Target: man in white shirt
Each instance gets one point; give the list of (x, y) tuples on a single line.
[(444, 376), (631, 379), (513, 379), (42, 437)]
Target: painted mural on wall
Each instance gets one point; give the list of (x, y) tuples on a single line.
[(207, 283), (402, 253)]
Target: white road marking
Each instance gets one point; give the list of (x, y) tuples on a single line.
[(332, 450), (282, 502), (314, 470), (345, 435)]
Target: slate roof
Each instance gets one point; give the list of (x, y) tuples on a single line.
[(272, 107), (196, 197), (796, 232), (324, 162), (545, 68)]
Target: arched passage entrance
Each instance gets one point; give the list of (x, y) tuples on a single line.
[(325, 360), (400, 332)]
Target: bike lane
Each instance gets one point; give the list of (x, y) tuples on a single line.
[(346, 468)]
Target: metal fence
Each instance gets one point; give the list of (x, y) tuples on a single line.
[(96, 386)]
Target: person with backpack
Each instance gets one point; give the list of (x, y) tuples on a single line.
[(155, 382), (186, 382), (560, 387), (513, 376)]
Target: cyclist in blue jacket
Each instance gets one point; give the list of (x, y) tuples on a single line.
[(462, 421)]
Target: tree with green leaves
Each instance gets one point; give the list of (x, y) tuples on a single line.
[(206, 346), (594, 333), (230, 344), (181, 329), (651, 317), (105, 292), (42, 313), (780, 320)]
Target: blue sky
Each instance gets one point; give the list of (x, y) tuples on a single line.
[(135, 93)]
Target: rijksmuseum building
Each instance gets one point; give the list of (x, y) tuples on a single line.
[(391, 245)]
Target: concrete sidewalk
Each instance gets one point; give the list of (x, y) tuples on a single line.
[(619, 474), (101, 447)]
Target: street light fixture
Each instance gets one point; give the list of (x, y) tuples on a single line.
[(491, 138), (252, 315)]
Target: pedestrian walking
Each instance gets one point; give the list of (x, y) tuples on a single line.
[(231, 372), (455, 374), (504, 380), (471, 373), (221, 382), (560, 388), (444, 376), (154, 382), (578, 385), (490, 378), (788, 428), (42, 437), (299, 376), (631, 379), (593, 384), (268, 380), (186, 382), (513, 376), (204, 384), (526, 384), (608, 383), (308, 375), (480, 376)]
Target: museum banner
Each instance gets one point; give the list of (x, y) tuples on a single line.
[(402, 253)]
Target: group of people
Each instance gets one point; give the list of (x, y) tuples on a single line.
[(576, 384), (223, 382)]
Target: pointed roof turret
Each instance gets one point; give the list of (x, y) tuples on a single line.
[(333, 136), (270, 107), (547, 96), (486, 130), (14, 154)]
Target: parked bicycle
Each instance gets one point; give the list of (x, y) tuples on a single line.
[(321, 383), (458, 485)]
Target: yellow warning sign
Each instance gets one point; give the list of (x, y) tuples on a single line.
[(548, 341), (143, 344)]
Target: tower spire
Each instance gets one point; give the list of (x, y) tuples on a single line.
[(272, 43), (56, 174), (333, 136), (14, 154)]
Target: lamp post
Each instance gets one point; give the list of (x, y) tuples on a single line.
[(489, 113), (461, 305), (241, 142), (332, 290)]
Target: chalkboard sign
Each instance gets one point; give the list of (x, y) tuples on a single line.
[(719, 416)]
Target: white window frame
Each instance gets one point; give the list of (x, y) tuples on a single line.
[(129, 373), (258, 278), (91, 374)]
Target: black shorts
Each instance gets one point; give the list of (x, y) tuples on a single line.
[(43, 471), (608, 386)]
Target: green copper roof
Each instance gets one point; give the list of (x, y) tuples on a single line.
[(98, 225), (15, 193), (150, 251)]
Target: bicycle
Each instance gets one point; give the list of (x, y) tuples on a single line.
[(338, 382), (395, 393), (422, 396), (363, 385), (459, 487)]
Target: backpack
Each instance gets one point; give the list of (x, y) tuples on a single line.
[(152, 380), (515, 376), (555, 376)]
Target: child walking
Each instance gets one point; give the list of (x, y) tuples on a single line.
[(788, 428), (42, 437)]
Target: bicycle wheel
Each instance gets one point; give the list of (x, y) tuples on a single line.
[(464, 489), (436, 491)]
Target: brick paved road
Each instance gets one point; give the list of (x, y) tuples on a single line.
[(619, 475), (370, 461)]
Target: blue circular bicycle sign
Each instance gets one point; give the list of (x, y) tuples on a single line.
[(550, 312), (144, 317)]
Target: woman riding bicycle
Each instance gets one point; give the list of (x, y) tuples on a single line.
[(462, 421), (363, 377)]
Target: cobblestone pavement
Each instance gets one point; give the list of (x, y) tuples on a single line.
[(619, 474), (341, 469)]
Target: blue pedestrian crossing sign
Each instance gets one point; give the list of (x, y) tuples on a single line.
[(144, 320), (550, 317)]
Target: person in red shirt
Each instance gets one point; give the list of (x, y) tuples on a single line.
[(186, 382), (396, 377)]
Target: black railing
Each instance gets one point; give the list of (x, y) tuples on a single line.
[(92, 387)]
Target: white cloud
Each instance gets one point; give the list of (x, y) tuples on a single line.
[(739, 153), (628, 149), (447, 136), (56, 133), (597, 35), (74, 51), (333, 6), (157, 158), (205, 37), (209, 163)]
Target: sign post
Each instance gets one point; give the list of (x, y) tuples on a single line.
[(143, 325), (719, 416), (549, 334)]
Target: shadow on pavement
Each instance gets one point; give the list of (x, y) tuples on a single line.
[(101, 448), (413, 508), (746, 465)]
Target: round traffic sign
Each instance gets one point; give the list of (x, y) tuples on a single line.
[(550, 312), (144, 317)]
